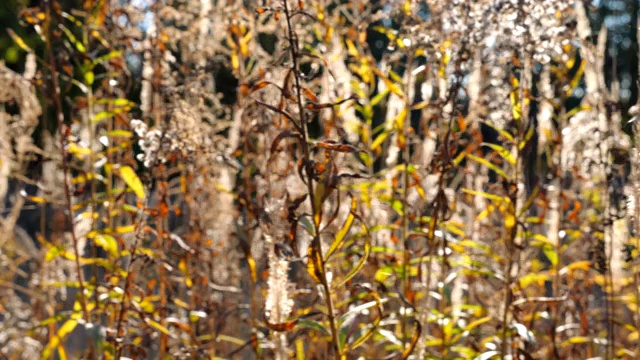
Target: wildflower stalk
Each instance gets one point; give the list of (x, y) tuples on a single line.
[(316, 244)]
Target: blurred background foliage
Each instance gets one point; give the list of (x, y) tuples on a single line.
[(620, 17), (242, 165)]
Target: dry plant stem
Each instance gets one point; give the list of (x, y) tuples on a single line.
[(238, 114), (439, 205), (636, 230), (140, 222), (164, 340), (636, 272), (508, 297), (513, 231), (127, 284), (609, 283), (293, 48), (65, 170), (556, 222), (636, 219), (159, 115), (111, 199), (441, 202), (65, 165), (406, 258), (92, 175)]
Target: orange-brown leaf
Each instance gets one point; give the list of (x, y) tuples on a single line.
[(285, 326), (335, 146)]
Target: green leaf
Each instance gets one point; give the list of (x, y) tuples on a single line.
[(79, 45), (313, 325), (307, 225), (109, 56), (342, 337)]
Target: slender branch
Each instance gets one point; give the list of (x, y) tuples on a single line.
[(65, 165), (406, 258), (295, 53)]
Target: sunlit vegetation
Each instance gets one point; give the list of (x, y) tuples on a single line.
[(308, 179)]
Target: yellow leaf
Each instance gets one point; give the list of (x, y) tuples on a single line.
[(18, 40), (56, 339), (503, 152), (181, 303), (351, 48), (133, 181), (392, 86), (378, 141), (76, 150), (488, 210), (244, 50), (407, 7), (582, 265), (315, 267), (156, 325), (235, 62), (510, 221), (488, 164), (252, 267), (125, 229), (108, 243), (300, 351), (576, 340), (362, 261), (342, 233)]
